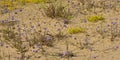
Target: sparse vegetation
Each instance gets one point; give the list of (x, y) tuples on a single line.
[(59, 29)]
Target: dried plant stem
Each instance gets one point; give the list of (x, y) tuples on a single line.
[(22, 56)]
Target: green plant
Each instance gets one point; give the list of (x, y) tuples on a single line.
[(115, 32), (35, 1), (75, 30), (95, 18), (10, 5), (102, 30), (32, 1)]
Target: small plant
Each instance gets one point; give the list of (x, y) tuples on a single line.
[(32, 1), (56, 10), (66, 54), (47, 41), (11, 38), (85, 45), (95, 18), (10, 5), (115, 32), (102, 30), (76, 30), (61, 36)]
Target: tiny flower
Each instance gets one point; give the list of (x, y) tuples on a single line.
[(90, 48), (5, 11), (116, 18), (32, 26), (38, 45), (7, 46), (85, 21), (111, 5), (35, 51), (45, 28), (44, 22), (94, 56), (58, 29), (113, 23), (104, 31), (2, 21), (12, 18), (117, 47), (86, 40), (98, 27), (48, 38), (64, 54), (19, 29)]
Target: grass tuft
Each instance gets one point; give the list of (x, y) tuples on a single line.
[(57, 10)]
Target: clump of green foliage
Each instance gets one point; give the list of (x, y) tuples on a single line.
[(32, 1), (95, 18), (57, 10), (35, 1), (76, 30), (10, 5)]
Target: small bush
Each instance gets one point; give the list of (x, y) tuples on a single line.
[(95, 18), (76, 30), (56, 10)]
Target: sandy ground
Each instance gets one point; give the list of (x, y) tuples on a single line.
[(100, 48)]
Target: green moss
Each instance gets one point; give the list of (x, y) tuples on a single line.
[(76, 30), (95, 18)]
